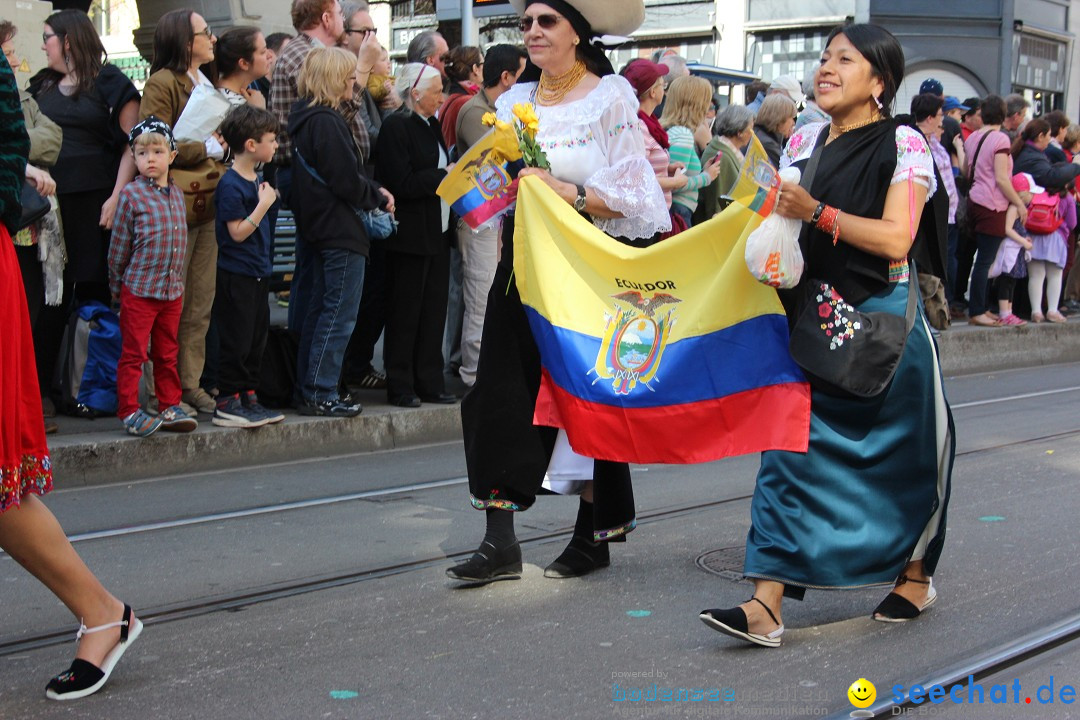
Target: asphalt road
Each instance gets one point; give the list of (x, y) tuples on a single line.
[(316, 589)]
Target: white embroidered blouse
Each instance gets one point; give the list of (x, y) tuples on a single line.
[(913, 157), (596, 142)]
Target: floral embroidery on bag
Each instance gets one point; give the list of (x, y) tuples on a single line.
[(837, 316)]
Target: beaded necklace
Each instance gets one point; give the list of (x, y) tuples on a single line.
[(836, 131), (551, 90)]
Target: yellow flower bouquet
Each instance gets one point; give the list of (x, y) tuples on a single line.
[(525, 126)]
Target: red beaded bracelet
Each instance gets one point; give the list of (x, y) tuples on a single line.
[(829, 222)]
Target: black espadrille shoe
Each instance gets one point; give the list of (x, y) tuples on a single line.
[(733, 622), (84, 678)]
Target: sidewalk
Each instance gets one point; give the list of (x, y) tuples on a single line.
[(97, 452)]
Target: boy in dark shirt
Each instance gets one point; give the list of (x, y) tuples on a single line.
[(146, 275), (242, 202)]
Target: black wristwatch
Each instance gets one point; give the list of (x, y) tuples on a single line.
[(817, 213), (579, 201)]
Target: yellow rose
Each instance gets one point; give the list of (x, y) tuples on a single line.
[(488, 120), (500, 125), (525, 113)]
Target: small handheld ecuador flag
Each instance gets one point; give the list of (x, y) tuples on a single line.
[(758, 183), (668, 354), (480, 187)]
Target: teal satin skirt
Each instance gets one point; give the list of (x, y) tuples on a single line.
[(871, 492)]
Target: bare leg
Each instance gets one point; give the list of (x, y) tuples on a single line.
[(32, 536), (587, 493), (771, 593)]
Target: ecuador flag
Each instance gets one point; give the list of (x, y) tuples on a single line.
[(670, 354), (758, 183), (479, 188)]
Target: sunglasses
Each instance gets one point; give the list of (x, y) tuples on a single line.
[(545, 21), (361, 31)]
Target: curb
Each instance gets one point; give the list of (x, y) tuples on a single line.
[(967, 350), (101, 458)]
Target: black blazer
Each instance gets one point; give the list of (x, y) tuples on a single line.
[(407, 164)]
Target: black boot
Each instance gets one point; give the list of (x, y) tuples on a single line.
[(497, 558), (582, 555)]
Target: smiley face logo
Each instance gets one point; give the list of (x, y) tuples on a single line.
[(862, 693)]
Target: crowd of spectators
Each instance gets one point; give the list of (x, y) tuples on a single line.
[(319, 122)]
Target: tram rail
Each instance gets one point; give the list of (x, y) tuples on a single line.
[(981, 666)]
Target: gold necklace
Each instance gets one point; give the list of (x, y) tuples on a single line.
[(836, 131), (551, 90)]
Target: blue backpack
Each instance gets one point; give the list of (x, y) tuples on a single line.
[(85, 380)]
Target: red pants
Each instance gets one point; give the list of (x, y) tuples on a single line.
[(143, 321)]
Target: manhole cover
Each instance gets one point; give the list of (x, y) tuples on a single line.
[(725, 562)]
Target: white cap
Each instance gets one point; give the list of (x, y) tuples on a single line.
[(788, 85)]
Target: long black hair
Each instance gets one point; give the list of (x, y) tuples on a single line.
[(884, 53), (86, 55)]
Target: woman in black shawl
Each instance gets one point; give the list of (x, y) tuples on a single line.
[(865, 505)]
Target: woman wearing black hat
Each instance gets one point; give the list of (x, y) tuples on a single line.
[(589, 131)]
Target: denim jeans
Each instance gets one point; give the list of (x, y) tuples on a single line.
[(951, 263), (684, 212), (984, 258), (337, 284)]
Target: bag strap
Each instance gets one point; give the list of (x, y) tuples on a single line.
[(971, 168), (810, 171), (807, 181), (310, 170)]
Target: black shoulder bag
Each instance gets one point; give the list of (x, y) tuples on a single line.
[(844, 352)]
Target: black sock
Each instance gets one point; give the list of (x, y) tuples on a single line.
[(583, 528), (500, 528)]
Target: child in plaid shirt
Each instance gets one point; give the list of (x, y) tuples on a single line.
[(146, 275)]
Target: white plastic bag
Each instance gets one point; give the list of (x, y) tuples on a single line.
[(773, 255), (202, 115)]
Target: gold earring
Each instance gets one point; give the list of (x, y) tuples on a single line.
[(577, 40)]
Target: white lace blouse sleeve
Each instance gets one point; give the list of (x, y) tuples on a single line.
[(801, 144), (914, 160), (628, 183)]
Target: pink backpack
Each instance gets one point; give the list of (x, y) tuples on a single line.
[(1043, 216)]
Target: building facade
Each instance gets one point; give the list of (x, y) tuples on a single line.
[(973, 47)]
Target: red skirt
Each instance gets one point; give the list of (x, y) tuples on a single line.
[(24, 456)]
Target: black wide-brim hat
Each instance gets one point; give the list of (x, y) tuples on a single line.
[(606, 17)]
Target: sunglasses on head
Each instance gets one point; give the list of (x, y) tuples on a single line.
[(545, 21)]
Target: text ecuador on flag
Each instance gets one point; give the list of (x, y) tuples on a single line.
[(670, 354)]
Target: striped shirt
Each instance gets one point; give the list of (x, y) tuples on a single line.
[(149, 241), (682, 150)]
